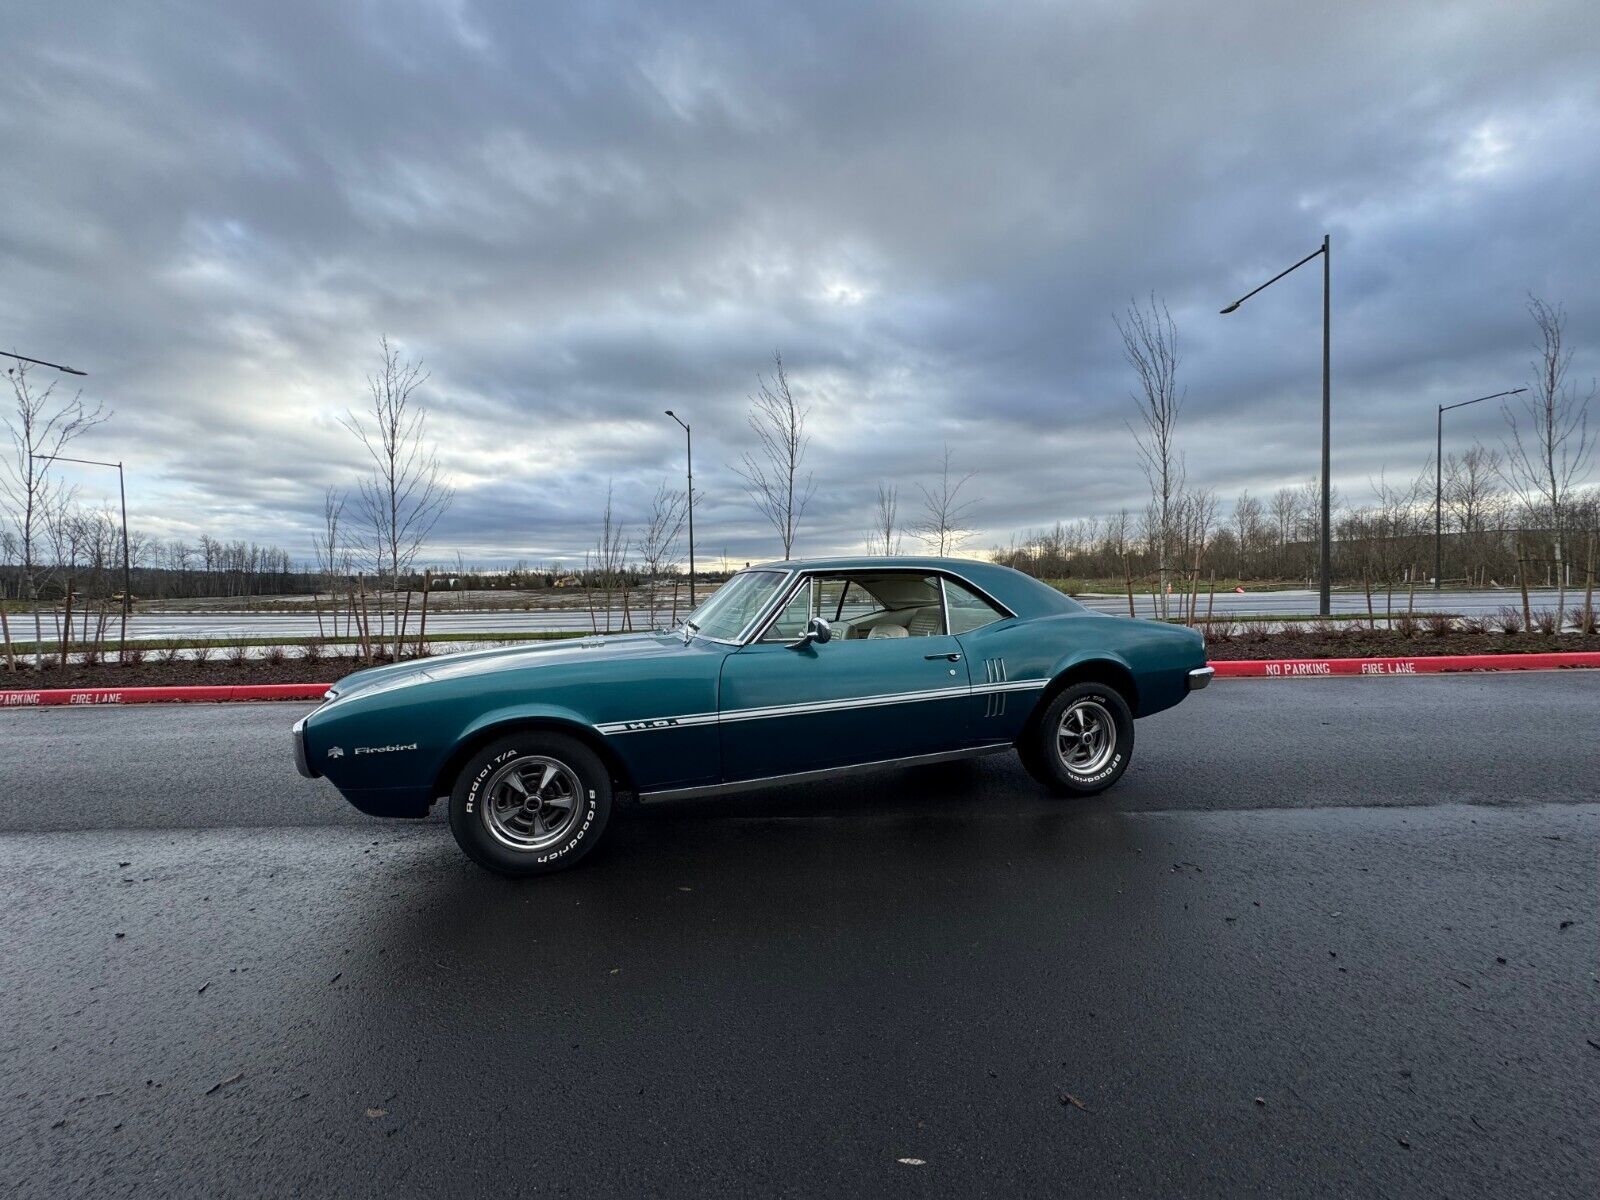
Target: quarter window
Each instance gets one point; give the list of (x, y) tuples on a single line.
[(967, 609)]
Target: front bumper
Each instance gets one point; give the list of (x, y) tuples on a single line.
[(301, 764), (1199, 677)]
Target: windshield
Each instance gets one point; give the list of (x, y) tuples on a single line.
[(735, 604)]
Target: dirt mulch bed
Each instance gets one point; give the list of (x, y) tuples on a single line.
[(151, 673), (1366, 643)]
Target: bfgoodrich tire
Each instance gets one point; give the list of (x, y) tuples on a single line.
[(1082, 743), (530, 803)]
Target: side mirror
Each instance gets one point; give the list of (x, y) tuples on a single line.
[(817, 630)]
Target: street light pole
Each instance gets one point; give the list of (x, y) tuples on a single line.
[(1438, 481), (1326, 556), (41, 362), (688, 454), (122, 491), (1327, 429)]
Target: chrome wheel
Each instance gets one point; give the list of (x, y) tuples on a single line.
[(531, 802), (1086, 738)]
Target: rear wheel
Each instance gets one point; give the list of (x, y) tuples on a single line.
[(530, 803), (1082, 743)]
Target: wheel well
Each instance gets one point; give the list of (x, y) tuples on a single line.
[(1113, 675), (468, 746)]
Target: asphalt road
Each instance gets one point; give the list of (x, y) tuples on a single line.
[(290, 625), (1328, 937)]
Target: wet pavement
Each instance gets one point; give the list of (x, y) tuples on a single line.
[(1328, 937)]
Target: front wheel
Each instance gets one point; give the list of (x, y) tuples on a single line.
[(530, 803), (1083, 742)]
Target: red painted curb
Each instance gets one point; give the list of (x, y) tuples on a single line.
[(163, 695), (1291, 668)]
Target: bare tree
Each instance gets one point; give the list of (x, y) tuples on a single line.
[(884, 537), (1472, 498), (1150, 344), (40, 424), (658, 545), (606, 562), (1544, 461), (1247, 517), (943, 524), (406, 494), (328, 549), (773, 475)]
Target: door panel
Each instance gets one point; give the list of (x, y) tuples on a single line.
[(844, 702)]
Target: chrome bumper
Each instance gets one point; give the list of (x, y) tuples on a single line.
[(300, 763), (1199, 677)]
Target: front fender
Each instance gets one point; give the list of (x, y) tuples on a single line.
[(524, 713)]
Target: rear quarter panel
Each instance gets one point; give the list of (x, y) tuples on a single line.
[(1158, 656)]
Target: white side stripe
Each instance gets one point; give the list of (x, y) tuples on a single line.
[(818, 706)]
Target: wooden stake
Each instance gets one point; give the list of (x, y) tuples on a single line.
[(1522, 582), (399, 629), (422, 630), (361, 623), (1127, 579), (11, 656), (1588, 590)]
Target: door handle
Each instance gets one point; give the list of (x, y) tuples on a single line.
[(946, 657)]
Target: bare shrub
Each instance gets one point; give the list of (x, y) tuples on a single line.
[(1221, 631), (1255, 631), (1476, 625), (274, 656), (200, 652), (170, 655), (314, 650), (1544, 620), (237, 656), (132, 655), (1324, 628), (1508, 621), (1292, 631), (1407, 625), (1439, 624), (91, 654), (1583, 622)]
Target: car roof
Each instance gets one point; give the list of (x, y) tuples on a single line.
[(1022, 594)]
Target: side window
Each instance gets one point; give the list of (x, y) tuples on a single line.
[(968, 611), (791, 622), (829, 593)]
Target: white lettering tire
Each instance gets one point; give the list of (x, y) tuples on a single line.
[(1082, 743), (530, 803)]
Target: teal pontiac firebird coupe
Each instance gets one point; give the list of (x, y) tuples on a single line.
[(790, 671)]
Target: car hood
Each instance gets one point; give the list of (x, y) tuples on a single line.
[(507, 658)]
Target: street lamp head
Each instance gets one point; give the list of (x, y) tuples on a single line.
[(1234, 307), (672, 414)]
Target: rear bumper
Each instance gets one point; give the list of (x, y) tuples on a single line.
[(1200, 677)]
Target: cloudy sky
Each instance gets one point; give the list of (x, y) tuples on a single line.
[(580, 215)]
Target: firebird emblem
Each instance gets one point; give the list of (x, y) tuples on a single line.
[(335, 753)]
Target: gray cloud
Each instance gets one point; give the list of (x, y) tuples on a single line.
[(580, 216)]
